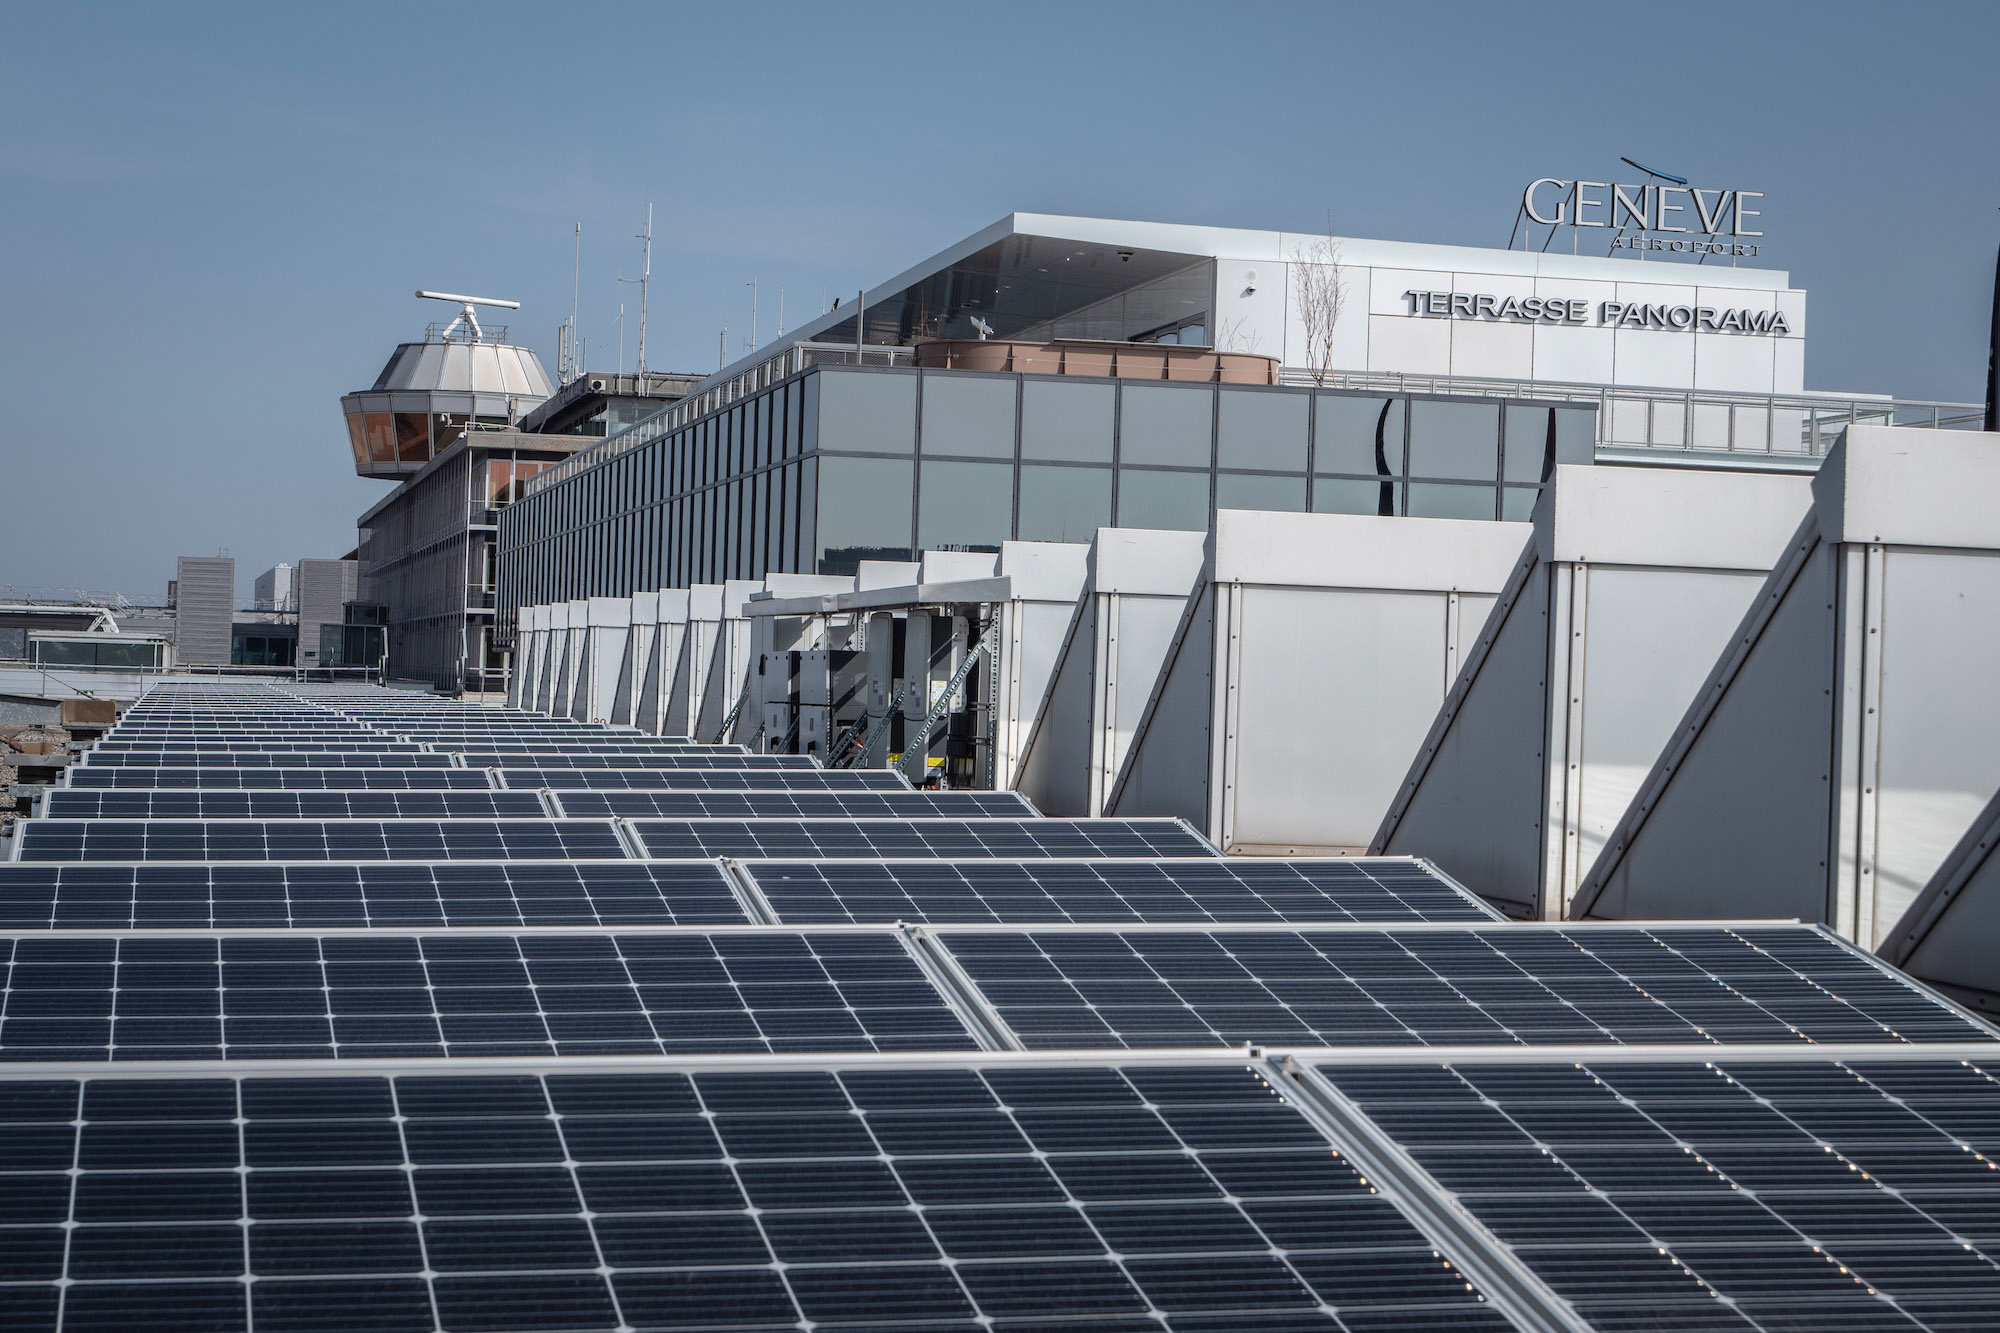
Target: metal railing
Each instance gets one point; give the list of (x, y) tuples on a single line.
[(1802, 425), (443, 331)]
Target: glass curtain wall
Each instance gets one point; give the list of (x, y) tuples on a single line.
[(843, 464)]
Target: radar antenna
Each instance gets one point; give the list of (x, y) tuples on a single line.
[(465, 313)]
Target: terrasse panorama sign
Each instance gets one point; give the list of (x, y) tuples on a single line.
[(1644, 209), (1610, 314)]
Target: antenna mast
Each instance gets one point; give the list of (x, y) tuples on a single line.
[(645, 276)]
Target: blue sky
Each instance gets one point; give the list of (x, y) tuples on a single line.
[(212, 217)]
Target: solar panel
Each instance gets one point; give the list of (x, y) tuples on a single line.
[(222, 803), (796, 804), (659, 759), (1797, 1195), (842, 838), (266, 759), (319, 997), (284, 779), (1195, 890), (315, 840), (331, 896), (952, 1199), (572, 745), (715, 779), (1488, 985)]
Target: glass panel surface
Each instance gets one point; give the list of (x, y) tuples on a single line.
[(1358, 434), (1064, 504), (413, 437), (863, 513), (1517, 503), (1066, 421), (1339, 495), (1444, 501), (1262, 428), (1530, 444), (968, 415), (1454, 439), (868, 411), (1160, 423), (1576, 435), (381, 438), (1237, 490), (964, 506), (1174, 500)]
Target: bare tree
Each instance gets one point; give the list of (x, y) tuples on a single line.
[(1320, 285), (1235, 335)]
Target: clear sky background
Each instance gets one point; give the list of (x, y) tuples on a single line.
[(212, 217)]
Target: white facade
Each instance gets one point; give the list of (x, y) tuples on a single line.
[(1850, 735), (1627, 593), (1656, 323)]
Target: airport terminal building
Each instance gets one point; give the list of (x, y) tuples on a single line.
[(1052, 375)]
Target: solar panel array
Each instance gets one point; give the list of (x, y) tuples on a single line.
[(338, 1008)]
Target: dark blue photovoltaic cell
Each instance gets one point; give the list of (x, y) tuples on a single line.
[(1193, 890), (309, 840), (325, 896), (716, 779), (1498, 984), (285, 779), (846, 838), (665, 760), (353, 804), (305, 997), (1175, 1199), (265, 759), (1808, 1195), (798, 804)]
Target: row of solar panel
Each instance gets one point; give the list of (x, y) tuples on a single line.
[(267, 895), (305, 995), (1193, 1196), (573, 839), (463, 779), (362, 804)]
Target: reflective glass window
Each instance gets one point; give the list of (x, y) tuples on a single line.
[(1261, 428), (809, 414), (1438, 500), (1161, 423), (967, 506), (1339, 495), (1249, 490), (357, 435), (1530, 444), (1176, 500), (1070, 421), (413, 437), (863, 512), (381, 438), (868, 411), (1064, 504), (1576, 435), (1517, 503), (1454, 439), (1358, 435), (968, 414)]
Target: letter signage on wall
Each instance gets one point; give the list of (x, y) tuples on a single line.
[(1659, 216), (1609, 314)]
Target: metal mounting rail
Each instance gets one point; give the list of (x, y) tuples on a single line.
[(920, 743), (1508, 1283)]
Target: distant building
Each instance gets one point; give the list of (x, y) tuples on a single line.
[(461, 421), (274, 589), (204, 597), (325, 587)]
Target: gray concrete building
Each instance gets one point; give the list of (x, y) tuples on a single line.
[(204, 601)]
